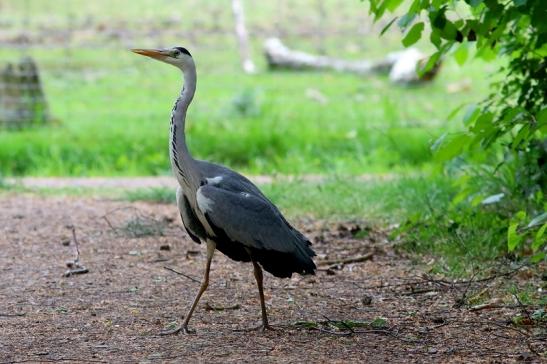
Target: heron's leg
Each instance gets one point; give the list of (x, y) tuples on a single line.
[(211, 246), (259, 280)]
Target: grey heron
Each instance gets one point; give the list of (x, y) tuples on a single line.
[(223, 208)]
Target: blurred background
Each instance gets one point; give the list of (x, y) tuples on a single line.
[(106, 110), (441, 175)]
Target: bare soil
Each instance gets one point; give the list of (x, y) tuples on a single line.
[(115, 312)]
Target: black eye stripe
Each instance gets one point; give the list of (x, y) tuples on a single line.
[(183, 50)]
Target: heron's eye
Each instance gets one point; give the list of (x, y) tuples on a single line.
[(176, 53)]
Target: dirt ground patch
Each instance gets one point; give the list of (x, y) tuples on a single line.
[(115, 312)]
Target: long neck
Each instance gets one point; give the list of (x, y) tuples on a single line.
[(182, 163)]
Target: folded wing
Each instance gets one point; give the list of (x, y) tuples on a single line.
[(244, 220)]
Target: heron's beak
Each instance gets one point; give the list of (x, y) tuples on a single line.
[(152, 53)]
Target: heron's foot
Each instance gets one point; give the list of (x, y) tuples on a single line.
[(263, 328), (182, 328)]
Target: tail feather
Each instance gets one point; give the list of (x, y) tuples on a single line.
[(283, 265)]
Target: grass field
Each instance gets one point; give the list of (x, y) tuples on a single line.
[(112, 107), (111, 110)]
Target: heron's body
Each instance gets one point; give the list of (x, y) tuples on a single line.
[(225, 209), (280, 249)]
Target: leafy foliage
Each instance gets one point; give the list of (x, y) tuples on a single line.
[(504, 134)]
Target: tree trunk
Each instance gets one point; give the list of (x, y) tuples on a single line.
[(22, 100), (242, 37)]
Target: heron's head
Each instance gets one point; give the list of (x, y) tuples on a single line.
[(177, 56)]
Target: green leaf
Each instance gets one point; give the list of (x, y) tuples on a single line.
[(378, 9), (435, 38), (392, 4), (413, 34), (520, 2), (388, 26), (471, 114), (450, 145), (513, 238), (436, 4), (406, 20), (454, 112), (538, 220), (474, 3), (542, 52), (541, 117), (379, 322), (520, 216), (536, 258), (460, 55), (486, 53), (523, 133), (539, 240), (449, 30), (431, 62)]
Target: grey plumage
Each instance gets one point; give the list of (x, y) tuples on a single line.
[(223, 208), (244, 219)]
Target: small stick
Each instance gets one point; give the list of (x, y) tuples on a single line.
[(77, 260), (75, 267), (485, 306), (419, 291), (11, 314), (360, 258), (330, 332), (182, 274), (342, 322), (79, 270), (108, 222)]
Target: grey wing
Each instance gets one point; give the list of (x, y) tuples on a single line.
[(236, 182), (233, 181), (193, 226), (253, 221)]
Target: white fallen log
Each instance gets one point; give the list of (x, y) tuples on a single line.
[(401, 66)]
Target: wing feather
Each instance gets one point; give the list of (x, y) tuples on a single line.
[(252, 221)]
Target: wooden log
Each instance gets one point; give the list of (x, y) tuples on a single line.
[(400, 65)]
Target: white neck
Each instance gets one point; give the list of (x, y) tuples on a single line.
[(182, 163)]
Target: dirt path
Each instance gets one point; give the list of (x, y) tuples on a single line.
[(158, 181), (115, 312)]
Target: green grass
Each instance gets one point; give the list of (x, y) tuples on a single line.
[(418, 211), (338, 198), (462, 240), (111, 111), (112, 107), (157, 195)]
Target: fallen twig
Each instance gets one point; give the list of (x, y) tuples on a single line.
[(77, 260), (331, 332), (74, 267), (182, 274), (420, 291), (486, 306), (358, 259), (11, 314)]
